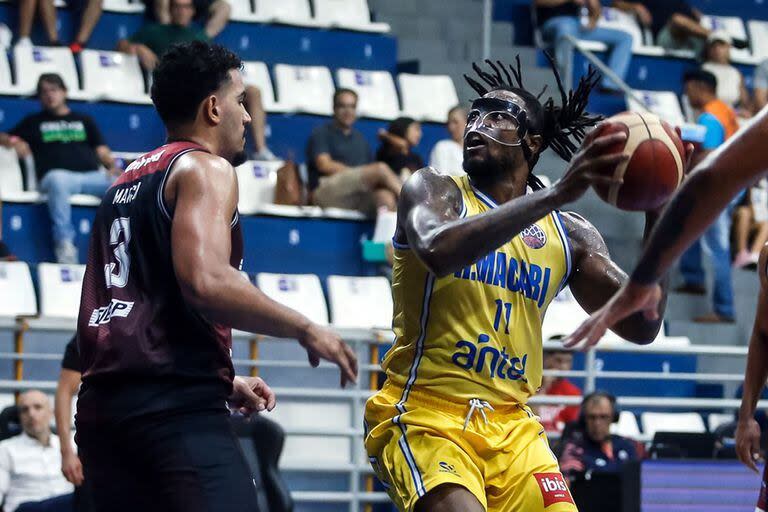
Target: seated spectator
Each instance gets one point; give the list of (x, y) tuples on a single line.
[(152, 41), (750, 221), (70, 158), (720, 123), (555, 417), (342, 173), (560, 18), (730, 82), (760, 84), (674, 23), (397, 143), (214, 14), (89, 12), (591, 447), (448, 154), (30, 463)]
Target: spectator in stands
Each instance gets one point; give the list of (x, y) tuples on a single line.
[(560, 18), (152, 41), (213, 13), (342, 173), (30, 463), (448, 154), (674, 23), (70, 158), (720, 123), (750, 221), (730, 82), (89, 12), (555, 417), (760, 84), (591, 447), (397, 143)]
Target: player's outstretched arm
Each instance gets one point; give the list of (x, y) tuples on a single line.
[(595, 278), (748, 431), (202, 192), (709, 189), (430, 206)]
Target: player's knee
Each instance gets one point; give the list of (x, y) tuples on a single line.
[(449, 498)]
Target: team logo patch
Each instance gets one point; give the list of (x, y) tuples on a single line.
[(534, 237), (553, 488)]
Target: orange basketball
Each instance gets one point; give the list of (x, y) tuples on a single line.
[(656, 162)]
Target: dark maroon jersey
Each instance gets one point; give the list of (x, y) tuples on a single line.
[(134, 324)]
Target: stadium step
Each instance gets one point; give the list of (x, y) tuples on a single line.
[(709, 334)]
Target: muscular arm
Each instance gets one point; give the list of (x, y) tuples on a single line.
[(429, 222), (757, 356), (596, 278), (203, 191), (706, 192)]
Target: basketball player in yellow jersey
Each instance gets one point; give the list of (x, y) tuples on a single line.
[(477, 261)]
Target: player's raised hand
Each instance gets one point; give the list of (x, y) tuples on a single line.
[(630, 299), (748, 442), (251, 394), (592, 165), (323, 343)]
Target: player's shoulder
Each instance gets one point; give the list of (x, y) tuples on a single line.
[(202, 163), (581, 233), (428, 184)]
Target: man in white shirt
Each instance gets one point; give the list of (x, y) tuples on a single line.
[(30, 463), (448, 154)]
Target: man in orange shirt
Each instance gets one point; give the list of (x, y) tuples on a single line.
[(720, 123)]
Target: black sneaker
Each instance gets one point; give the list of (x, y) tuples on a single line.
[(739, 44)]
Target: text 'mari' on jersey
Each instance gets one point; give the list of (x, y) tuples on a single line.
[(134, 322), (477, 333)]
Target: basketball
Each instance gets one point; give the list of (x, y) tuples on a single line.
[(656, 162)]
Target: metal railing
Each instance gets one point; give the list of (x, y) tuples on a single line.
[(366, 343)]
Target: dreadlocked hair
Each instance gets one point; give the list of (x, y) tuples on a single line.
[(562, 127)]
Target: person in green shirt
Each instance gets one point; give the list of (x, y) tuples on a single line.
[(154, 39)]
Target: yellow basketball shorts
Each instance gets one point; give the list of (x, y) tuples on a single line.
[(505, 462)]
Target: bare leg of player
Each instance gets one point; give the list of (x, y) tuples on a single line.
[(449, 498)]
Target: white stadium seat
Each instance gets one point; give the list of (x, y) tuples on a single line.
[(626, 426), (32, 61), (314, 449), (306, 89), (671, 422), (113, 76), (257, 74), (735, 28), (11, 180), (349, 14), (377, 96), (242, 10), (7, 400), (758, 33), (664, 104), (427, 97), (616, 19), (17, 293), (256, 181), (124, 6), (60, 287), (360, 302), (6, 81), (302, 292), (715, 419), (290, 12)]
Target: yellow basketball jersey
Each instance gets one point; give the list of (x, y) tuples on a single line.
[(477, 333)]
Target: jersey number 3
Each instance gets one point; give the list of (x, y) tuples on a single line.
[(121, 225)]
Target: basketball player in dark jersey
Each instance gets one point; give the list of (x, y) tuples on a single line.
[(161, 290)]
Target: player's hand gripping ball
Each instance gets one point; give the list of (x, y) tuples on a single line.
[(655, 167)]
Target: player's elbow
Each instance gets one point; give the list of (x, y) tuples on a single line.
[(199, 289)]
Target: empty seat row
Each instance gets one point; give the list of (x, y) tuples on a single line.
[(652, 422), (355, 302), (117, 76)]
